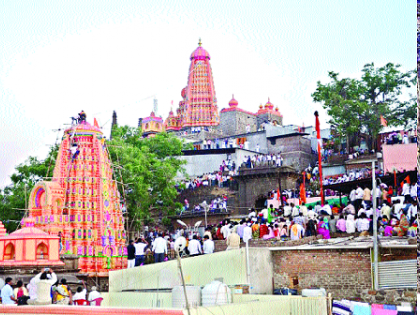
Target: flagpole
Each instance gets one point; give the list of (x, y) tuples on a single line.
[(318, 136)]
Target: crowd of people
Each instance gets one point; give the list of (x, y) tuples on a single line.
[(45, 289), (262, 160), (211, 179), (396, 211)]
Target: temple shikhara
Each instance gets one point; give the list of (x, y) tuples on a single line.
[(81, 203), (198, 109)]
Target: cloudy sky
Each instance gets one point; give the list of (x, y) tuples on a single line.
[(59, 57)]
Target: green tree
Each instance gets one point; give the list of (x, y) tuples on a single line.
[(15, 195), (356, 105), (146, 170)]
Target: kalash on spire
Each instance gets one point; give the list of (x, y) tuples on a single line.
[(198, 107)]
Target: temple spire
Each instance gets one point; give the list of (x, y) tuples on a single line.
[(199, 42)]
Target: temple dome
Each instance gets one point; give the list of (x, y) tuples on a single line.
[(200, 53), (233, 102), (269, 105), (184, 92)]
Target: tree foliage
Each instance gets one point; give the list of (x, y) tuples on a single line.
[(356, 105), (15, 195), (146, 169)]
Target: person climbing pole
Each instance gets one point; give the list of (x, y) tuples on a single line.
[(82, 116)]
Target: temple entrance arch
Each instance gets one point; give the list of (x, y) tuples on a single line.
[(260, 202), (42, 251), (9, 252)]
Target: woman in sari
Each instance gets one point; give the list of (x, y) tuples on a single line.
[(255, 230), (324, 229), (402, 228), (270, 233)]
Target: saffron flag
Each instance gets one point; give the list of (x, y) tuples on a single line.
[(383, 121), (278, 194), (95, 123), (407, 179), (302, 196)]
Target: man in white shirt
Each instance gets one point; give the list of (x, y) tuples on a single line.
[(251, 213), (43, 282), (304, 210), (140, 247), (349, 209), (194, 247), (160, 248), (413, 191), (325, 210), (225, 230), (264, 212), (406, 191), (287, 210), (7, 296), (208, 245), (94, 294), (80, 293), (412, 211), (359, 198), (295, 210), (247, 233)]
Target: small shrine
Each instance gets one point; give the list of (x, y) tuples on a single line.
[(29, 246)]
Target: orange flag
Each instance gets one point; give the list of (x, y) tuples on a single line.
[(406, 179), (383, 121), (278, 194), (95, 123), (302, 196)]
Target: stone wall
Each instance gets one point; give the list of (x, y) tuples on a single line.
[(256, 183), (235, 122), (296, 150)]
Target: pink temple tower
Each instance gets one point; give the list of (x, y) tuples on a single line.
[(198, 107), (81, 202)]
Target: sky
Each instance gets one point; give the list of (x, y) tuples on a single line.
[(60, 57)]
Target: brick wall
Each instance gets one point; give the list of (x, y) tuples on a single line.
[(344, 273)]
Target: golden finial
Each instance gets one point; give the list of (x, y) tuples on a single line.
[(199, 42)]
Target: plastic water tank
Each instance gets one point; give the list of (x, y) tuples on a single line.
[(314, 292), (193, 295), (216, 293)]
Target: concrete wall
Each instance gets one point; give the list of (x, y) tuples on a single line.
[(241, 304), (200, 164), (200, 270)]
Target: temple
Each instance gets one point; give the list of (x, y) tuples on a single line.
[(198, 107), (151, 125), (81, 202), (198, 110)]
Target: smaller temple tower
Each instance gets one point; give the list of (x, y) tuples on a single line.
[(269, 114), (151, 125)]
